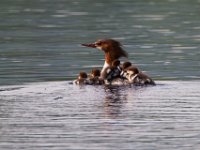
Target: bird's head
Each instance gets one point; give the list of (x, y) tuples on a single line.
[(112, 49)]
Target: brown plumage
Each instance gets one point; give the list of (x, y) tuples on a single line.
[(82, 75), (82, 78), (95, 77), (143, 79), (95, 72), (128, 67), (111, 48), (113, 51)]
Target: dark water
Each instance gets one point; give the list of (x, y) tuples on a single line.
[(40, 41)]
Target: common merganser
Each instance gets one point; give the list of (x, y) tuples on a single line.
[(111, 48), (113, 51)]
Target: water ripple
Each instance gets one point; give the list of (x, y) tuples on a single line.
[(57, 115)]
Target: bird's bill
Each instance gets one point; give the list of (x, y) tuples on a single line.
[(92, 45)]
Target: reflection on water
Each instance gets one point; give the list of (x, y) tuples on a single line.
[(58, 115), (114, 100)]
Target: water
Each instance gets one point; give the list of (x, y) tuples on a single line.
[(57, 115), (41, 39), (41, 52)]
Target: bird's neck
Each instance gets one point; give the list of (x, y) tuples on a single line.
[(114, 53), (110, 57)]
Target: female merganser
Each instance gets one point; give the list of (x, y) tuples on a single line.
[(111, 48), (113, 51)]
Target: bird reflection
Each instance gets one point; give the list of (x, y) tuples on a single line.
[(114, 100)]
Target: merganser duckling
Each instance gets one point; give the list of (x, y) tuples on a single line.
[(129, 71), (112, 50), (111, 73), (134, 76), (143, 79), (82, 79), (95, 78)]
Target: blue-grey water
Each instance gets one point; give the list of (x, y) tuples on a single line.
[(41, 53)]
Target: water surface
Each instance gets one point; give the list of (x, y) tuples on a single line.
[(57, 115), (40, 54), (40, 39)]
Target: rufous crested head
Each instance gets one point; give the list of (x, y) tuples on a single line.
[(111, 48)]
